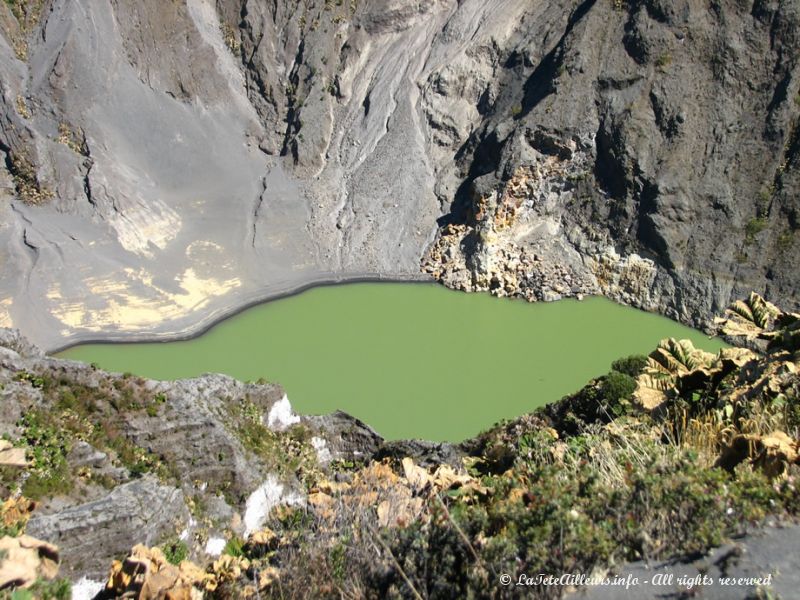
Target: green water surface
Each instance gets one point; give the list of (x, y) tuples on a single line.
[(411, 360)]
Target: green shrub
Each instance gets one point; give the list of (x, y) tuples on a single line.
[(753, 227), (58, 589), (48, 446), (234, 547), (618, 386), (35, 380), (632, 365), (175, 551)]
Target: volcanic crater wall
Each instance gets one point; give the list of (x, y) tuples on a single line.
[(167, 162)]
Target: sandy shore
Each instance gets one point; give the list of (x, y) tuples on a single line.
[(231, 307)]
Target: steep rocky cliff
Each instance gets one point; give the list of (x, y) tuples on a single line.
[(648, 151), (165, 163)]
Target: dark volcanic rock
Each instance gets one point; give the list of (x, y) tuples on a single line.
[(346, 437), (684, 121), (425, 454)]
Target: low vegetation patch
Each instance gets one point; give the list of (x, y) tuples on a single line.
[(59, 589), (175, 551), (753, 227), (72, 412), (286, 453), (26, 180)]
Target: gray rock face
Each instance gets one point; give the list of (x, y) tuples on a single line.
[(165, 163), (345, 436), (90, 534), (425, 454), (12, 340), (731, 572), (656, 147)]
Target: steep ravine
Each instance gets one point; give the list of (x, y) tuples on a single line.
[(165, 164)]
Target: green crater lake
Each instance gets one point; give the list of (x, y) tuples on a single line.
[(411, 360)]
